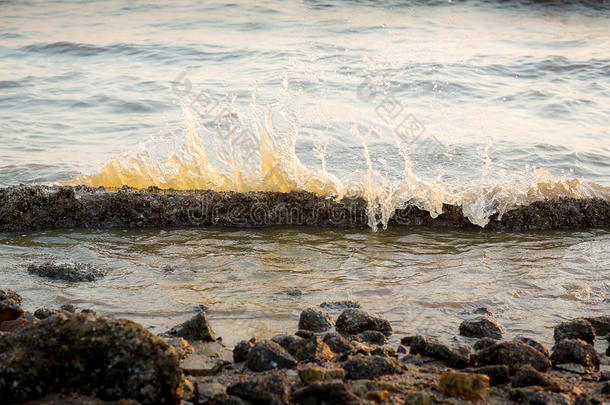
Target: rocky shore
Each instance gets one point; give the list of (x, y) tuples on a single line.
[(26, 208), (66, 356)]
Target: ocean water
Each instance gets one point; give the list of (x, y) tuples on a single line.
[(486, 104)]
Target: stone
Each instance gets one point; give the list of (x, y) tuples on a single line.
[(575, 351), (481, 327), (419, 398), (68, 308), (497, 374), (224, 399), (286, 340), (9, 310), (541, 347), (305, 334), (335, 305), (267, 355), (10, 295), (242, 348), (604, 376), (43, 313), (353, 321), (406, 340), (72, 272), (430, 347), (200, 365), (312, 374), (110, 359), (315, 320), (483, 343), (313, 350), (207, 391), (575, 329), (337, 343), (384, 351), (372, 336), (328, 392), (513, 354), (530, 397), (527, 376), (572, 368), (196, 328), (601, 324), (13, 325), (181, 345), (471, 387), (270, 389), (378, 395), (369, 367)]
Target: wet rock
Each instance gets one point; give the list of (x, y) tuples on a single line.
[(91, 356), (371, 336), (68, 308), (471, 387), (419, 398), (527, 376), (312, 374), (512, 354), (9, 310), (196, 328), (181, 345), (370, 367), (313, 350), (293, 292), (406, 341), (601, 324), (224, 399), (604, 376), (497, 374), (44, 313), (267, 355), (604, 388), (337, 343), (265, 390), (483, 311), (353, 321), (526, 396), (482, 327), (401, 349), (10, 295), (242, 348), (483, 343), (331, 393), (73, 272), (575, 329), (305, 334), (13, 324), (430, 347), (286, 340), (200, 365), (337, 305), (207, 391), (573, 368), (378, 396), (575, 351), (315, 320), (384, 351), (541, 347)]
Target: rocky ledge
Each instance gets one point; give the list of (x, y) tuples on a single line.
[(24, 208), (69, 357)]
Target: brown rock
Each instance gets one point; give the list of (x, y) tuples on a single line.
[(471, 387)]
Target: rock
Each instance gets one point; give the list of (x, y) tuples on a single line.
[(337, 343), (13, 325), (68, 308), (401, 349), (336, 305), (207, 391), (604, 376), (530, 397), (305, 334), (433, 348), (353, 321), (331, 393), (200, 365), (10, 295), (241, 349), (75, 399), (286, 340), (196, 328), (73, 272), (266, 390), (370, 367), (224, 399), (481, 327), (497, 374), (575, 329), (601, 324), (471, 387), (572, 368), (372, 336), (315, 320), (541, 347), (312, 374), (512, 354), (527, 376), (384, 351), (293, 292), (419, 398), (181, 345), (604, 388), (313, 350), (89, 355), (44, 313), (575, 351), (9, 310), (378, 396), (483, 343), (483, 311), (266, 355), (406, 341)]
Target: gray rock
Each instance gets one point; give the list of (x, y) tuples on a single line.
[(575, 329), (526, 396), (541, 347), (242, 348), (481, 327), (196, 328), (369, 367), (224, 399), (338, 305), (330, 392), (601, 324), (372, 336), (337, 343), (527, 376), (267, 355), (575, 351), (353, 321), (483, 343), (73, 272), (406, 340), (315, 320), (497, 374), (286, 340), (93, 356), (265, 390), (44, 313), (305, 334), (430, 347), (10, 295), (513, 354), (68, 308)]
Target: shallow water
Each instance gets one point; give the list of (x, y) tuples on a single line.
[(508, 102)]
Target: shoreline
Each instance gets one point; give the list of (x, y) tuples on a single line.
[(35, 207), (75, 356)]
